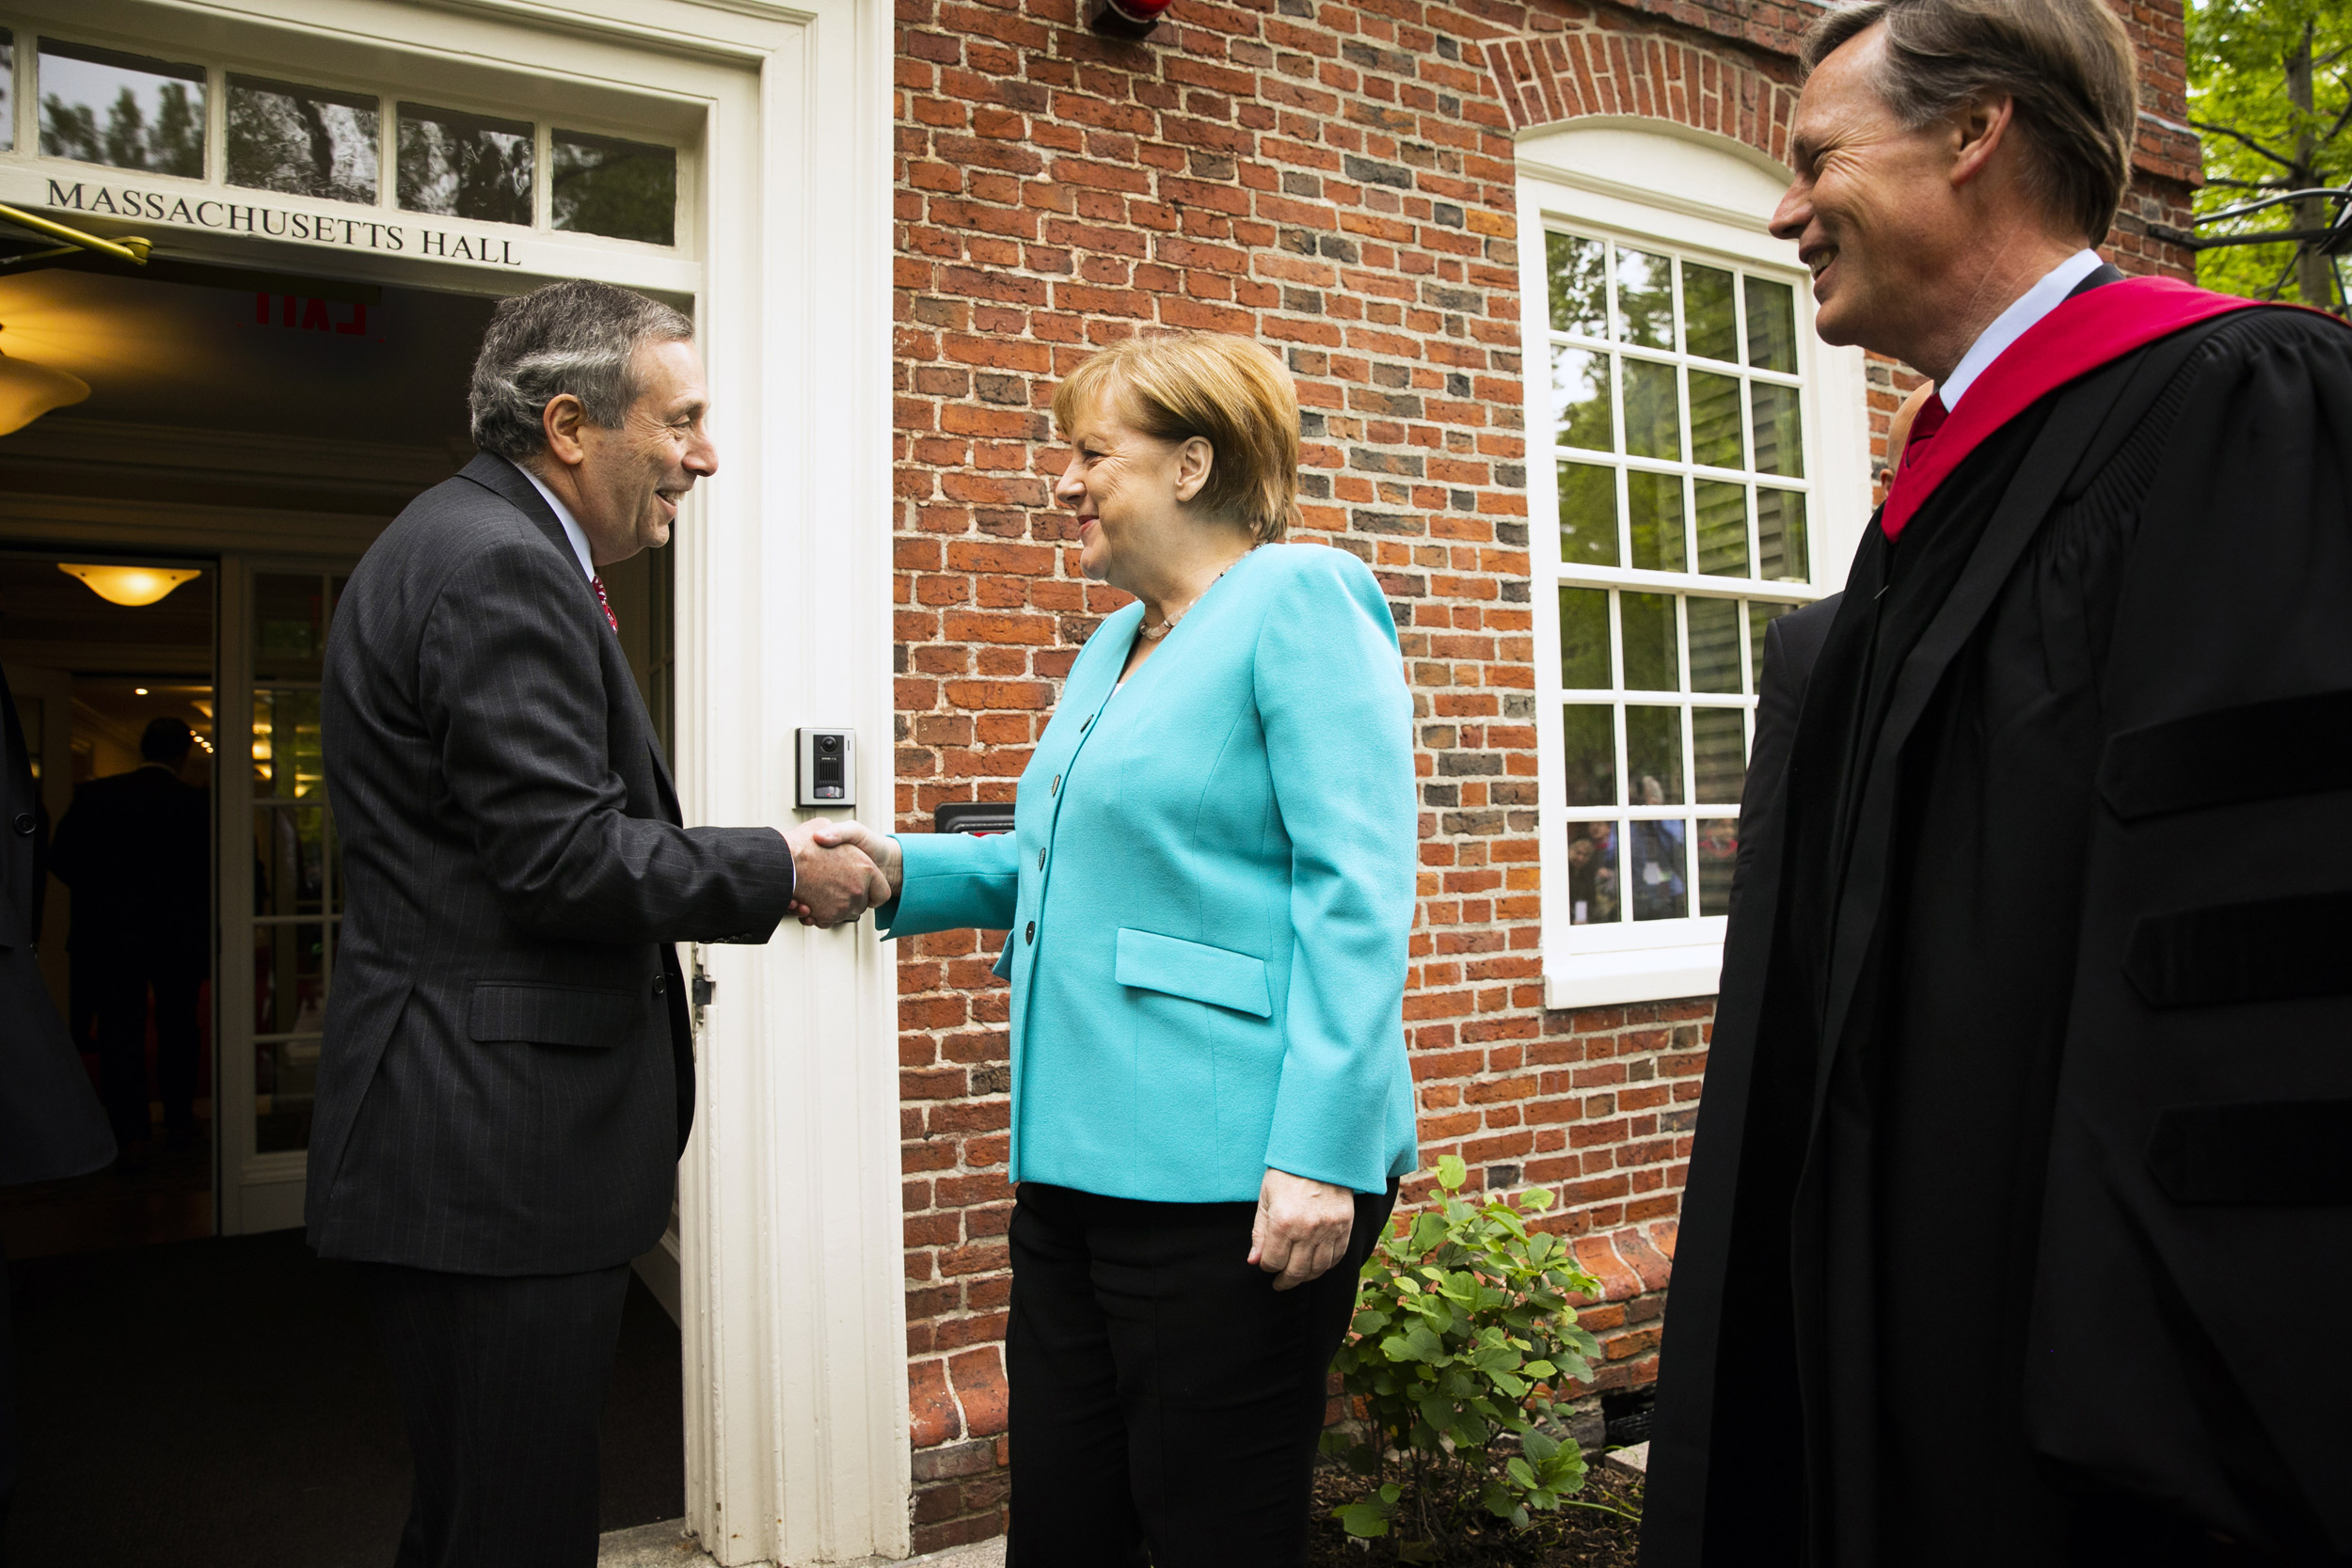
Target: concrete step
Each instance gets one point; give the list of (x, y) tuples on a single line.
[(666, 1544)]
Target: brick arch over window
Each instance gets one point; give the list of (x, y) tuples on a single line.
[(1549, 77)]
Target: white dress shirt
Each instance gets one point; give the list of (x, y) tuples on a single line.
[(571, 525), (2015, 322)]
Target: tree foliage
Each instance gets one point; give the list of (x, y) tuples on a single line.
[(2270, 93)]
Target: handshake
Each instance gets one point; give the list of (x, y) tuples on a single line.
[(840, 870)]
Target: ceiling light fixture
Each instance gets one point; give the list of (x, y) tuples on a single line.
[(28, 390), (130, 585)]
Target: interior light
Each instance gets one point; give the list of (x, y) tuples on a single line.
[(130, 585), (138, 691), (28, 390)]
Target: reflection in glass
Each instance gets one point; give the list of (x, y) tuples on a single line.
[(1651, 661), (305, 141), (1658, 861), (1580, 292), (1710, 327), (1715, 856), (289, 978), (1589, 747), (1584, 639), (1761, 613), (8, 90), (1646, 299), (289, 624), (1723, 519), (1653, 410), (1780, 536), (1715, 420), (1772, 326), (1653, 756), (1593, 899), (288, 762), (101, 106), (1779, 437), (465, 165), (1719, 753), (1580, 399), (1588, 515), (604, 185), (1654, 516), (1714, 647), (288, 860)]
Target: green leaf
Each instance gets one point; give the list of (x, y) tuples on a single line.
[(1451, 1173), (1518, 1471), (1364, 1520), (1540, 1446)]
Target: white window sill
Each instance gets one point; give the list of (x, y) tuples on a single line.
[(1638, 975)]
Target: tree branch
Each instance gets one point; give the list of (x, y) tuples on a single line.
[(2249, 185), (2235, 135)]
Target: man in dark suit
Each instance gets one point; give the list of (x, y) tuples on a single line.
[(136, 848), (507, 1078), (50, 1123)]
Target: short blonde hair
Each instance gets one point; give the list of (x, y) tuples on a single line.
[(1228, 391)]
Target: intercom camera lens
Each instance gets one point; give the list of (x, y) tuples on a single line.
[(829, 743)]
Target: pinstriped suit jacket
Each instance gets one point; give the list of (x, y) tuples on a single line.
[(507, 1078)]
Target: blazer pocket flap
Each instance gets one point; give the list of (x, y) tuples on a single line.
[(553, 1015), (1216, 975)]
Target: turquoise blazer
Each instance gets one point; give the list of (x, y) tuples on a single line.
[(1208, 891)]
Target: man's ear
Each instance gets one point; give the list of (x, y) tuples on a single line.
[(560, 420), (1194, 460), (1983, 127)]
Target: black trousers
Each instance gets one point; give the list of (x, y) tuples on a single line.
[(501, 1384), (121, 998), (1163, 1392), (8, 1441)]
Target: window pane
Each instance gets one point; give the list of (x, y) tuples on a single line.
[(289, 628), (1723, 510), (1646, 299), (465, 165), (124, 110), (1779, 438), (1653, 756), (1652, 662), (1653, 410), (1580, 399), (1761, 613), (1710, 326), (305, 141), (1714, 646), (1719, 753), (1584, 639), (288, 762), (1780, 536), (1593, 874), (625, 189), (1771, 325), (1589, 747), (1654, 515), (1716, 855), (1715, 420), (1660, 889), (1580, 295), (1588, 515), (8, 90)]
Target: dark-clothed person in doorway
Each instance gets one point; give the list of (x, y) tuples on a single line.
[(507, 1078), (2019, 1223), (1209, 889), (136, 848), (50, 1126)]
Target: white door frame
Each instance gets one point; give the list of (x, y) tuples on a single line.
[(792, 1259)]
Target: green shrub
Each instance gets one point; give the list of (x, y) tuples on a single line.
[(1462, 1331)]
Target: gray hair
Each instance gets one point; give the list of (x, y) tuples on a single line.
[(2066, 65), (578, 337)]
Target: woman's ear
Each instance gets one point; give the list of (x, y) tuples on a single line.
[(1194, 459)]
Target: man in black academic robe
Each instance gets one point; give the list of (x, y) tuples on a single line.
[(2017, 1227)]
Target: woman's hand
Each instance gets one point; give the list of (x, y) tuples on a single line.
[(885, 872), (1302, 1228)]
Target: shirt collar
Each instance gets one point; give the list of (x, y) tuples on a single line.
[(2014, 322), (572, 530)]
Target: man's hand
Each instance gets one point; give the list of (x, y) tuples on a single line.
[(1302, 1228), (881, 848), (831, 884)]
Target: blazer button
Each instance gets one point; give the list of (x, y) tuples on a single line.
[(24, 824), (1031, 934), (660, 984)]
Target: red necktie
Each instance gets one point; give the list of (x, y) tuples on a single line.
[(604, 604)]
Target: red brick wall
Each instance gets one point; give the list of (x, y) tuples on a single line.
[(1337, 182)]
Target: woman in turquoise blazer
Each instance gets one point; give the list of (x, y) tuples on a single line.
[(1208, 892)]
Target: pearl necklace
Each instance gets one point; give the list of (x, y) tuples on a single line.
[(1152, 634)]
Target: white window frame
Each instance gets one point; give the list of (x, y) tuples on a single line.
[(1651, 183)]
